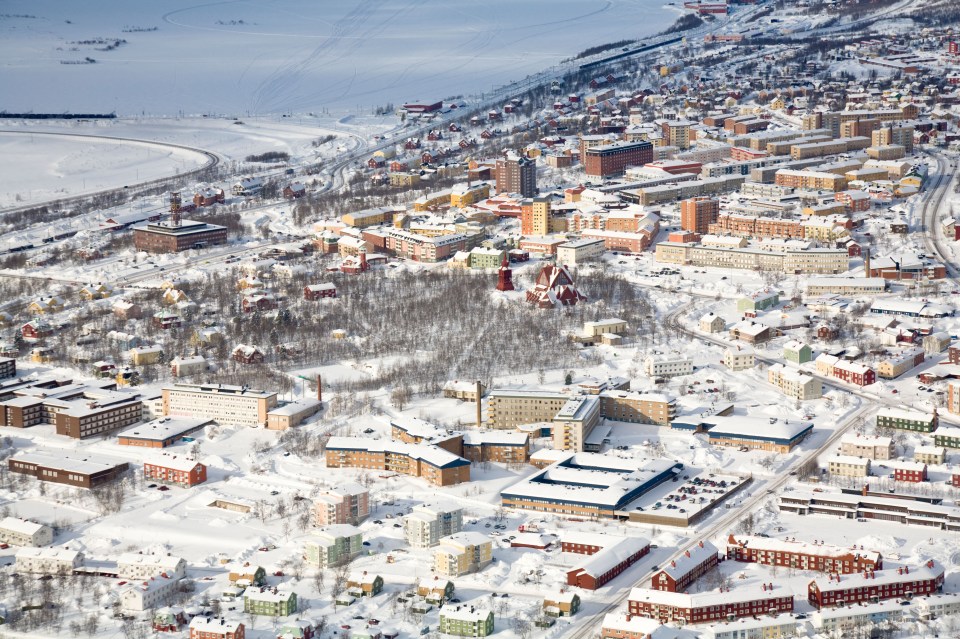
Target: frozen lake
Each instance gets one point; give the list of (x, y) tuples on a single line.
[(280, 56)]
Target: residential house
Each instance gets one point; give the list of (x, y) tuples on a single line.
[(22, 532), (466, 620), (334, 545)]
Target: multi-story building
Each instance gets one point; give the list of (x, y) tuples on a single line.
[(216, 628), (271, 602), (619, 625), (638, 408), (947, 436), (21, 532), (432, 463), (223, 404), (347, 503), (516, 174), (495, 446), (614, 158), (140, 566), (870, 447), (88, 471), (902, 509), (930, 454), (173, 237), (48, 561), (574, 423), (909, 471), (695, 562), (466, 620), (801, 555), (953, 396), (659, 366), (579, 251), (178, 470), (811, 180), (509, 409), (334, 545), (428, 523), (698, 213), (462, 553), (854, 373), (876, 585), (740, 358), (899, 363), (907, 419), (793, 383), (799, 261), (797, 352), (846, 466), (708, 607), (8, 367)]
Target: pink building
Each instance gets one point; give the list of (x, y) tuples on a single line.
[(348, 503)]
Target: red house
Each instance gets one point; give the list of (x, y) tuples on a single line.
[(313, 292), (873, 585), (914, 472), (245, 354), (295, 190), (707, 607), (208, 196), (691, 565), (37, 329), (175, 469), (854, 373), (800, 555), (258, 302)]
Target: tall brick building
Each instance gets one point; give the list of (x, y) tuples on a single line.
[(697, 213), (614, 158), (515, 174)]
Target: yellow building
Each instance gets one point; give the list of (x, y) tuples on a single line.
[(463, 195), (404, 179), (462, 553), (45, 305), (40, 355), (96, 292), (143, 355), (174, 296)]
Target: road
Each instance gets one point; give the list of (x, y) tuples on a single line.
[(930, 216)]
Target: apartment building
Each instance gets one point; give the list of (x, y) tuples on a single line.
[(930, 454), (347, 503), (333, 545), (793, 383), (75, 410), (847, 466), (662, 366), (48, 561), (698, 213), (431, 463), (495, 446), (509, 408), (876, 585), (899, 363), (740, 358), (462, 553), (801, 555), (614, 158), (680, 573), (638, 408), (176, 470), (709, 607), (466, 620), (223, 404), (953, 396), (580, 251), (22, 532), (869, 447), (810, 180), (270, 602), (516, 174), (907, 419), (795, 261), (140, 566), (428, 523)]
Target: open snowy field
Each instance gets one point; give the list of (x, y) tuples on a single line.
[(291, 55)]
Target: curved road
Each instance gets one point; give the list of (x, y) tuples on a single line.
[(213, 159)]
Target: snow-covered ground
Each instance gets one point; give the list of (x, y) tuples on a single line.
[(292, 55)]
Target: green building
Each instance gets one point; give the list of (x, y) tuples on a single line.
[(483, 257), (270, 602), (947, 437), (797, 352), (334, 545), (904, 419), (759, 301), (466, 620)]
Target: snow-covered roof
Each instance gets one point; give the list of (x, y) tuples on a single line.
[(703, 599), (21, 526), (802, 547), (906, 413), (904, 574), (465, 612), (164, 428), (433, 455)]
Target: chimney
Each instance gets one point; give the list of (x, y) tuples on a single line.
[(319, 389), (863, 491), (479, 412)]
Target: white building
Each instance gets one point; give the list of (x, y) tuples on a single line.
[(21, 532), (579, 251), (424, 527), (661, 366), (784, 625), (150, 593), (862, 615), (739, 359), (226, 405), (48, 561), (137, 566)]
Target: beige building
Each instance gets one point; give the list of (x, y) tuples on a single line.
[(793, 383), (815, 180), (816, 261), (847, 466), (226, 405), (712, 323), (740, 358), (659, 366), (612, 325), (869, 447), (574, 422), (48, 561), (638, 408), (292, 414), (21, 532), (509, 409), (930, 454), (462, 553)]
